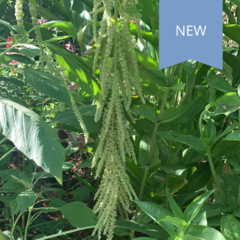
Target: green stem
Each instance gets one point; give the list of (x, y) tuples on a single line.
[(27, 223), (12, 149), (215, 177), (67, 232), (120, 210), (14, 225), (3, 140)]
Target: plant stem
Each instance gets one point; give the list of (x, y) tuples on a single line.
[(27, 223), (215, 177), (12, 149), (65, 233), (120, 210), (3, 140), (14, 225)]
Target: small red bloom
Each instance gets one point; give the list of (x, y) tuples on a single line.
[(9, 39), (13, 62), (132, 21)]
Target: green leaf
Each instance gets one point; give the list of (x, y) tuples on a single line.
[(224, 105), (189, 66), (144, 149), (25, 200), (144, 238), (175, 221), (32, 136), (152, 230), (233, 136), (29, 50), (171, 114), (20, 58), (5, 59), (210, 130), (48, 84), (232, 31), (2, 236), (192, 210), (12, 80), (148, 112), (175, 208), (81, 194), (145, 60), (78, 214), (76, 70), (203, 233), (155, 212), (230, 227), (65, 26), (219, 83), (189, 140), (87, 112), (178, 87)]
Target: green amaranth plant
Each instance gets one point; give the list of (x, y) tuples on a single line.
[(115, 44)]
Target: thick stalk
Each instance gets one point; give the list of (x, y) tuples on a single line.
[(215, 177)]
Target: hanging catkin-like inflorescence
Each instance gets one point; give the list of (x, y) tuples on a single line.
[(118, 74), (32, 8), (19, 13)]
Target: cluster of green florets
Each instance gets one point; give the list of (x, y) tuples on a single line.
[(118, 74)]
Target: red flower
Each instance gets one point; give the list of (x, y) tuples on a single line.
[(9, 39), (13, 62), (39, 21), (14, 69), (132, 21)]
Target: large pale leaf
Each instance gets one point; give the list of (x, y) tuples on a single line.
[(32, 136), (48, 84)]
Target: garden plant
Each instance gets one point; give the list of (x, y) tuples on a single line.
[(97, 143)]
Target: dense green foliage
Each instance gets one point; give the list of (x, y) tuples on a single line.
[(185, 138)]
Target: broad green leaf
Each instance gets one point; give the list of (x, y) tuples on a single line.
[(228, 12), (76, 70), (29, 50), (233, 136), (148, 112), (12, 80), (155, 212), (48, 84), (203, 233), (224, 105), (149, 84), (192, 210), (196, 107), (87, 112), (178, 87), (26, 199), (46, 14), (145, 60), (230, 227), (144, 149), (171, 114), (65, 26), (175, 208), (175, 221), (32, 136), (78, 214), (19, 29), (189, 140), (200, 219), (219, 83), (199, 178), (152, 230), (81, 194)]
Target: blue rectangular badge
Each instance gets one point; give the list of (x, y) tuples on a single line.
[(190, 29)]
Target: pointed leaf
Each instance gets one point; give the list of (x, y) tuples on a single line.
[(230, 227), (32, 136), (192, 210), (203, 233), (48, 84), (175, 221), (25, 200)]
